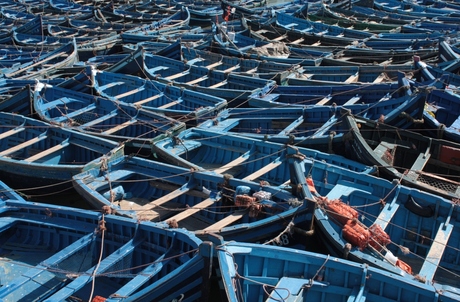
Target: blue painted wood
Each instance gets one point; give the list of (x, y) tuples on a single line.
[(55, 253)]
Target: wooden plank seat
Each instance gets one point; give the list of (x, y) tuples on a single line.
[(197, 80), (216, 227), (433, 258), (233, 68), (48, 151), (177, 75), (324, 100), (223, 83), (352, 79), (280, 38), (25, 144), (266, 169), (194, 209), (166, 198), (170, 104), (119, 127), (110, 85), (298, 41), (149, 99), (211, 66), (236, 162), (128, 93), (382, 77), (12, 132)]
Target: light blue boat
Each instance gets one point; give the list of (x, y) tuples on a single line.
[(268, 273), (57, 253)]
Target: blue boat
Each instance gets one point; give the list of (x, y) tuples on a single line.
[(441, 115), (416, 160), (45, 64), (243, 157), (200, 201), (181, 104), (57, 253), (40, 157), (317, 120), (162, 24), (405, 231), (242, 45), (105, 118), (232, 87), (345, 75), (253, 272), (244, 66)]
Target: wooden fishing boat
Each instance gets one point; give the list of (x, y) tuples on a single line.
[(200, 201), (45, 64), (178, 20), (255, 272), (44, 157), (224, 84), (414, 9), (124, 123), (181, 104), (441, 115), (361, 12), (327, 15), (243, 157), (345, 75), (249, 67), (241, 45), (319, 127), (402, 230), (294, 23), (417, 160), (58, 253)]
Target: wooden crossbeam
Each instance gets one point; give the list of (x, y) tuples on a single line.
[(352, 79), (226, 221), (128, 93), (211, 66), (237, 161), (195, 209), (28, 143), (264, 170), (149, 99), (170, 196), (218, 84), (47, 152), (196, 81), (119, 127), (177, 75), (170, 104), (11, 132)]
